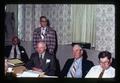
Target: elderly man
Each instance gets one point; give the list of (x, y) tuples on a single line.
[(47, 34), (77, 67), (15, 50), (104, 69), (41, 60)]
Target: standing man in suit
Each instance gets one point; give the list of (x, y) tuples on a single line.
[(104, 69), (47, 34), (16, 51), (77, 67), (41, 60)]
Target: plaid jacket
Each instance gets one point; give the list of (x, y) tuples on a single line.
[(50, 38)]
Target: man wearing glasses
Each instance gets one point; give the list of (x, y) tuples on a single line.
[(104, 69), (46, 34)]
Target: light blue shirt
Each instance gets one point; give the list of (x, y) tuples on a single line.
[(78, 73)]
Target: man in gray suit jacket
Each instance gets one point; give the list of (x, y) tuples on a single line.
[(41, 60)]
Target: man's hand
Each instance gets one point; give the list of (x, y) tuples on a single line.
[(37, 69)]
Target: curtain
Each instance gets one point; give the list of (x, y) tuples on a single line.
[(83, 23)]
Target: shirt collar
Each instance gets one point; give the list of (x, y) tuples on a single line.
[(79, 59), (15, 46), (44, 28), (43, 54)]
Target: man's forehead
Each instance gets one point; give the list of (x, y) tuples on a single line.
[(76, 47), (104, 59), (41, 44)]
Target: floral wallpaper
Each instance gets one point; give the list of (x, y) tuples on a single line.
[(60, 18), (105, 28)]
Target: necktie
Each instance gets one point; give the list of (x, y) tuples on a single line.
[(42, 33), (41, 61), (101, 74), (73, 69), (15, 53)]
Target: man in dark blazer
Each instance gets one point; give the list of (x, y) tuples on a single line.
[(83, 65), (20, 51), (41, 60)]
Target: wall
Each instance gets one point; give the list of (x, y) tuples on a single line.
[(105, 28), (12, 8)]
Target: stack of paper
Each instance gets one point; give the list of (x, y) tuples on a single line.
[(15, 62), (30, 73), (46, 76)]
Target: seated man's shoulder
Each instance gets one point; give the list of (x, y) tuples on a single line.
[(34, 54), (96, 67), (88, 61), (70, 60), (49, 55), (21, 46), (112, 68)]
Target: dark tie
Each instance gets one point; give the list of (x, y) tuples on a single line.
[(41, 61), (101, 74), (15, 53)]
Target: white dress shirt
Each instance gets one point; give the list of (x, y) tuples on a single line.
[(43, 30), (95, 71), (78, 73), (43, 54), (12, 52)]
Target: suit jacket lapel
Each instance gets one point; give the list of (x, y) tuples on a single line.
[(38, 60)]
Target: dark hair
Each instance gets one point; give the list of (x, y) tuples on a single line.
[(17, 39), (43, 17), (104, 54), (48, 23), (85, 56), (73, 44)]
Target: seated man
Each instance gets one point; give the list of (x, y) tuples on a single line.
[(76, 67), (41, 60), (16, 51), (104, 69)]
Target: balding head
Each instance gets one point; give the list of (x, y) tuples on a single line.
[(41, 47), (77, 51)]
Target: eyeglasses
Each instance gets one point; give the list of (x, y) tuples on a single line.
[(43, 21), (106, 62)]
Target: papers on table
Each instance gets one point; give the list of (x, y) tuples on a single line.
[(46, 76), (15, 62), (30, 73)]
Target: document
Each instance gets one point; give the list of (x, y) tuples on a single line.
[(46, 76), (14, 62), (30, 73)]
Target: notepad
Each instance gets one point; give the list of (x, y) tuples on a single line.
[(46, 76), (29, 73), (15, 62)]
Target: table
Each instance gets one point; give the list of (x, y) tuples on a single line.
[(21, 69)]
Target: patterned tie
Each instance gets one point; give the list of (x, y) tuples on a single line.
[(42, 33), (73, 69), (101, 74), (15, 53)]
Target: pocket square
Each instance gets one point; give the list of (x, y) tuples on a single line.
[(22, 51), (48, 60)]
